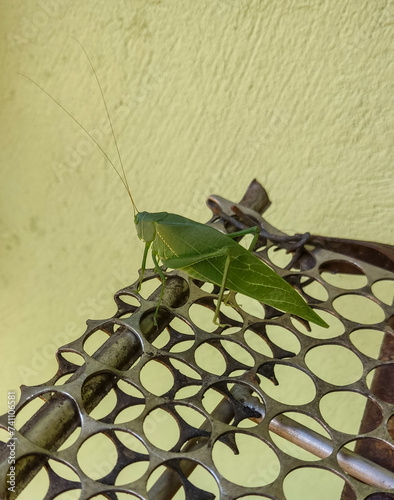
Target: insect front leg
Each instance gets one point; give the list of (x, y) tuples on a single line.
[(163, 280), (143, 265)]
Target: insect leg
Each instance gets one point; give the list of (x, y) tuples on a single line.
[(223, 285), (143, 265), (163, 280), (249, 230), (190, 260), (179, 262)]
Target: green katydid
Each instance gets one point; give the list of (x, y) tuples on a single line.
[(203, 252), (209, 255)]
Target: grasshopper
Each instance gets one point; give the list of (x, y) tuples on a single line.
[(202, 251)]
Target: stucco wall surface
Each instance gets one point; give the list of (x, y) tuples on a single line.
[(204, 96)]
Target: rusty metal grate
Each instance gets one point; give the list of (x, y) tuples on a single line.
[(264, 386)]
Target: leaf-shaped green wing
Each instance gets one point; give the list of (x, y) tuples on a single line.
[(250, 276), (202, 251)]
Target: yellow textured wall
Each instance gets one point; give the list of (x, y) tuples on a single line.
[(205, 95)]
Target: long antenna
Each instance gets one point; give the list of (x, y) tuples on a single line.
[(126, 184), (122, 179)]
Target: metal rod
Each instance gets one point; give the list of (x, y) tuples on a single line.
[(58, 418)]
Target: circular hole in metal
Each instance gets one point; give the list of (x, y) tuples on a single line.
[(191, 416), (184, 369), (245, 459), (137, 402), (212, 397), (384, 291), (162, 339), (294, 387), (72, 357), (250, 306), (71, 439), (368, 341), (129, 389), (166, 476), (178, 336), (202, 316), (279, 256), (95, 341), (204, 285), (181, 327), (258, 342), (63, 470), (37, 487), (149, 286), (186, 392), (284, 338), (377, 381), (182, 334), (161, 428), (210, 358), (334, 364), (335, 329), (358, 308), (182, 346), (129, 413), (343, 274), (5, 435), (105, 406), (229, 330), (311, 287), (126, 315), (308, 450), (344, 410), (246, 241), (247, 406), (130, 300), (310, 483), (27, 411), (237, 352), (156, 377), (139, 458), (103, 449), (229, 312), (63, 379)]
